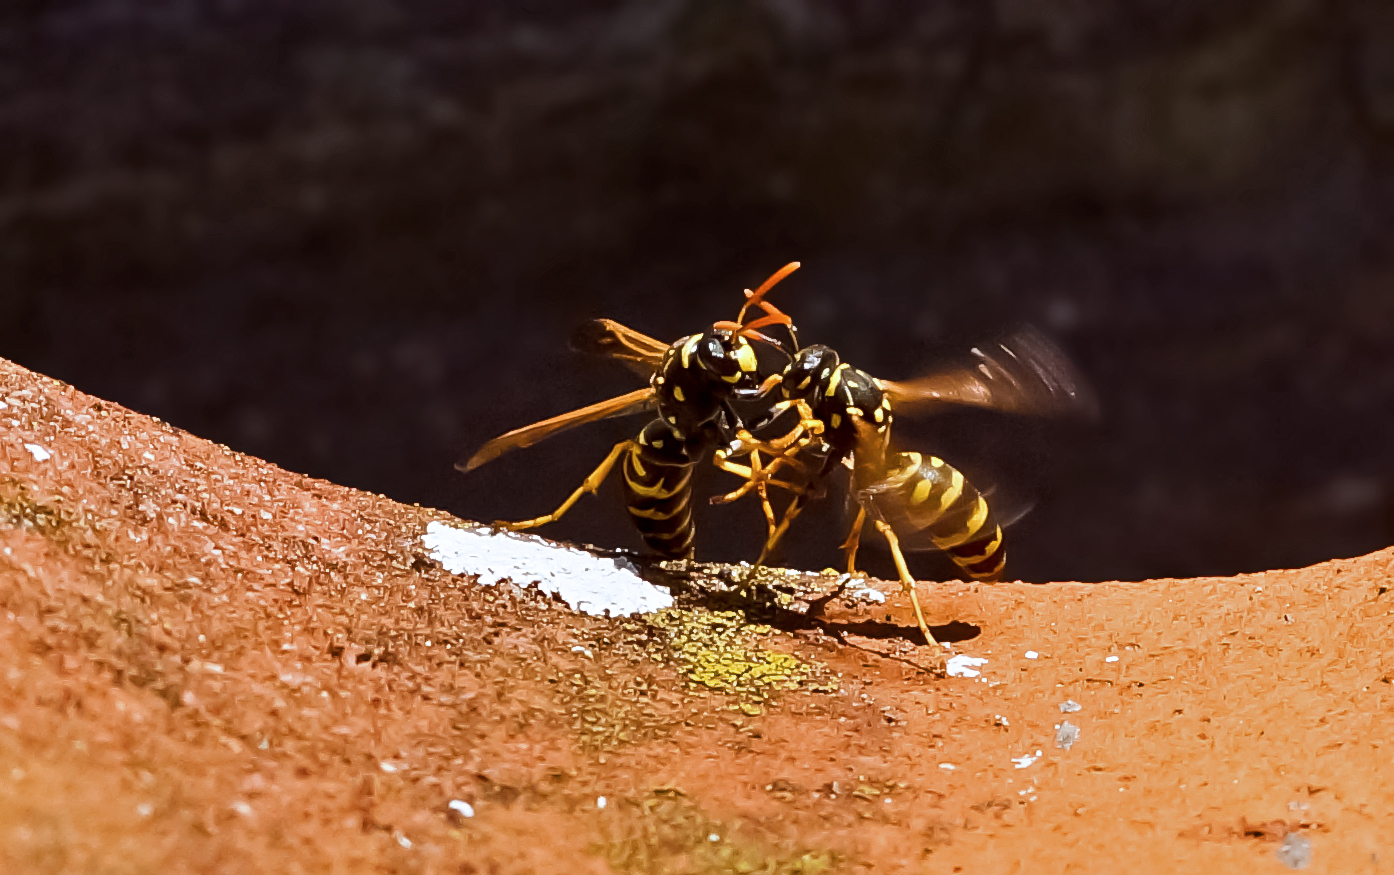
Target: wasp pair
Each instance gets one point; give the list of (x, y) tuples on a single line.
[(813, 416)]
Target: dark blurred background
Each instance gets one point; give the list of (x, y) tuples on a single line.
[(353, 237)]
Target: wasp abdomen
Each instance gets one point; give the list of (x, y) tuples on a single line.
[(657, 473), (927, 495)]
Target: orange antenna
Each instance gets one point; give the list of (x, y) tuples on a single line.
[(773, 315), (757, 297)]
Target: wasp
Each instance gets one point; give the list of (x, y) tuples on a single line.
[(692, 383), (845, 420)]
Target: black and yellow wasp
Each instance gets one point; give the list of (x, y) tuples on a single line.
[(692, 383), (845, 419)]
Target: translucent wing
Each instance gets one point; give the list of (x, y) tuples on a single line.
[(1023, 373), (633, 402), (608, 338)]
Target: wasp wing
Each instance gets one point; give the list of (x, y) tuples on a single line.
[(606, 337), (633, 402), (1023, 373)]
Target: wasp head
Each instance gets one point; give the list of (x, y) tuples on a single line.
[(810, 367), (730, 358)]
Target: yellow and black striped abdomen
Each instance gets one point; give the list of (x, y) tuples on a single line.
[(927, 497), (657, 472)]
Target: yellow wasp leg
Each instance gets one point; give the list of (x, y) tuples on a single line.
[(906, 581), (854, 539), (798, 437), (790, 513), (589, 485), (755, 478), (784, 450)]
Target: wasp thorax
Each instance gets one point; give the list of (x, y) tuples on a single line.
[(808, 370)]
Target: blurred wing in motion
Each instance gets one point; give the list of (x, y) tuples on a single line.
[(1023, 373), (606, 337), (633, 402)]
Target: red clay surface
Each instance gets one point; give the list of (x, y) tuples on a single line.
[(209, 664)]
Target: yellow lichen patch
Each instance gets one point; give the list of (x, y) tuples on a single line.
[(19, 509), (607, 711), (716, 650), (666, 832)]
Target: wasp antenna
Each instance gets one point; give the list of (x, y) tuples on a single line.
[(757, 297), (775, 318), (765, 338), (775, 278)]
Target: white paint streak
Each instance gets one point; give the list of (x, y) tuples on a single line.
[(964, 666), (1026, 760), (587, 583)]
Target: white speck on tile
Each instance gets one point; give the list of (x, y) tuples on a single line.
[(601, 802), (148, 456), (389, 767), (39, 453), (1110, 659), (1296, 851), (461, 807), (964, 666), (404, 841), (948, 767), (587, 583), (241, 808), (1031, 654), (1066, 734), (1026, 760)]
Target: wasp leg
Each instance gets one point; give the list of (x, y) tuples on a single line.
[(854, 539), (761, 487), (757, 478), (808, 425), (784, 449), (790, 513), (906, 581), (760, 477), (589, 485)]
